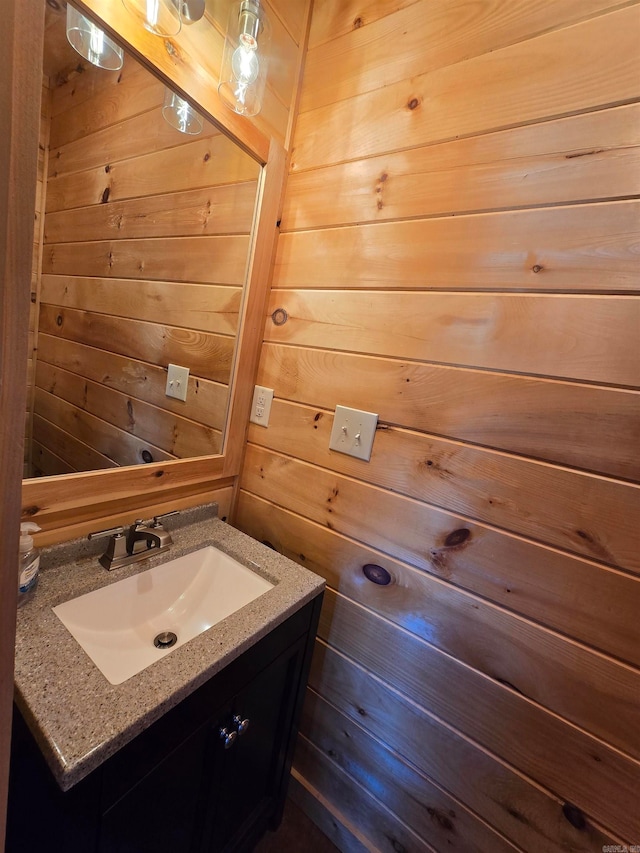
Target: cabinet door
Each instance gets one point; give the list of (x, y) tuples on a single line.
[(245, 794), (162, 813)]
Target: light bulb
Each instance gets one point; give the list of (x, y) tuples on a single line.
[(243, 70), (160, 17), (153, 13), (245, 62), (96, 42)]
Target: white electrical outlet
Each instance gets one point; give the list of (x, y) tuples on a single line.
[(261, 405), (177, 382), (353, 432)]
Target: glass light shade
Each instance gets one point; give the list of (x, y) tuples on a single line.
[(160, 17), (91, 42), (180, 114), (245, 60)]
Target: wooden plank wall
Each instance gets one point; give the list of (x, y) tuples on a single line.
[(458, 253), (146, 241)]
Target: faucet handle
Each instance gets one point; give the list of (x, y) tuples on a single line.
[(102, 534), (156, 518), (116, 547)]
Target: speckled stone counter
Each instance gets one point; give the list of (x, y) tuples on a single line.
[(78, 718)]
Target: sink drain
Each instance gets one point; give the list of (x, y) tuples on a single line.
[(165, 640)]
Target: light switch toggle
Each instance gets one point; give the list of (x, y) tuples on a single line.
[(353, 432), (177, 382)]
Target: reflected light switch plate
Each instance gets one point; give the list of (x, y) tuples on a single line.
[(353, 432), (177, 382)]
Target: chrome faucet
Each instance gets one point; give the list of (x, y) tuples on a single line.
[(138, 542)]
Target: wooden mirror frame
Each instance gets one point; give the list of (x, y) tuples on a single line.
[(71, 505)]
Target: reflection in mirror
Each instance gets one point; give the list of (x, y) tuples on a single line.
[(141, 249)]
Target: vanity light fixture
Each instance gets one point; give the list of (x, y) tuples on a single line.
[(180, 114), (245, 59), (165, 17), (91, 42)]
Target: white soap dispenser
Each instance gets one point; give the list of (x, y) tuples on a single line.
[(29, 565)]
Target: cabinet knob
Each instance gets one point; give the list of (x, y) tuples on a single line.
[(240, 724), (227, 737)]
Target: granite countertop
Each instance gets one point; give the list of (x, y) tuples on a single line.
[(78, 718)]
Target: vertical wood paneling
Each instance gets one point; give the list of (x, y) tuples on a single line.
[(460, 222)]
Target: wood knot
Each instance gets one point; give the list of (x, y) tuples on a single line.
[(376, 574), (59, 320), (107, 169), (30, 510), (358, 22), (206, 157), (105, 196), (413, 104), (457, 537), (574, 816), (279, 317), (537, 268), (516, 815), (439, 817)]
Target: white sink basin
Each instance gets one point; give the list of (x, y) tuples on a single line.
[(117, 624)]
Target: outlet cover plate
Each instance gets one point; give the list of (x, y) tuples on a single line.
[(261, 405), (353, 432), (177, 382)]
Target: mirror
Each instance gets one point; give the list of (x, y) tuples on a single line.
[(142, 245)]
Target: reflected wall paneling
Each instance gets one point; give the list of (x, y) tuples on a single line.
[(133, 207), (146, 235), (458, 253)]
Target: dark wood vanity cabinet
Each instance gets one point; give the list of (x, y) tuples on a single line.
[(210, 775)]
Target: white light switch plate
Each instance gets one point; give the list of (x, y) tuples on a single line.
[(353, 432), (261, 405), (177, 382)]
